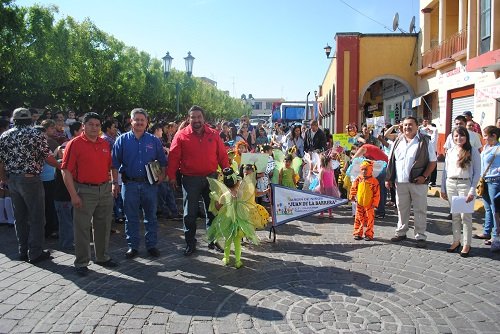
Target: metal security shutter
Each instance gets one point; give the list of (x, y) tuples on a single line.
[(459, 106)]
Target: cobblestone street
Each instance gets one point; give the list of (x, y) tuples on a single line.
[(314, 279)]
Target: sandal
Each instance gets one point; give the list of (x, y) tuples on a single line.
[(487, 242)]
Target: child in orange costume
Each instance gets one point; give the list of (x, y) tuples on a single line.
[(365, 191)]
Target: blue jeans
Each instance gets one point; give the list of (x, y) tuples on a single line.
[(166, 199), (383, 193), (490, 225), (28, 200), (65, 217), (192, 188), (118, 207), (137, 195)]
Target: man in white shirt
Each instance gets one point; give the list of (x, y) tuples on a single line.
[(475, 141), (411, 163)]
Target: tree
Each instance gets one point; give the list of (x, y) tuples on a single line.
[(74, 65)]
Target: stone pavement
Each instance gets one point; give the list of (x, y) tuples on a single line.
[(314, 279)]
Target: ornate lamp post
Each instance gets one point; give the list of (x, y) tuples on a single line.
[(167, 64)]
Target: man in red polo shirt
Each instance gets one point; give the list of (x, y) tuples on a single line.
[(85, 169), (374, 153), (197, 151)]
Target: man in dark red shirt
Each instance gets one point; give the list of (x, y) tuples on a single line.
[(196, 151), (374, 153), (85, 169)]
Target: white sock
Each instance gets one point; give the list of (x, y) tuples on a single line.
[(9, 210)]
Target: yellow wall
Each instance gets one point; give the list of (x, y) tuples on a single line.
[(387, 55), (329, 80), (328, 89)]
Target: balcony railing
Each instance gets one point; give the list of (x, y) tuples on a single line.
[(453, 45)]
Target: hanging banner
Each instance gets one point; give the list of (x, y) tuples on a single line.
[(291, 204)]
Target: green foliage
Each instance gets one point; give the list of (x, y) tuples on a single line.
[(66, 64)]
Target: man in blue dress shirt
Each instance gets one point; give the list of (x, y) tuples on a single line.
[(132, 151)]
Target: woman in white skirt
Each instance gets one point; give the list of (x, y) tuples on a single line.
[(460, 177)]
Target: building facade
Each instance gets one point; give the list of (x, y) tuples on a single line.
[(459, 62), (370, 75), (450, 66)]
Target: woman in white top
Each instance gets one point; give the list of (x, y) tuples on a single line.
[(460, 177), (278, 137)]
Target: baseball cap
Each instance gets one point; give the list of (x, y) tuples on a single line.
[(21, 113), (467, 113)]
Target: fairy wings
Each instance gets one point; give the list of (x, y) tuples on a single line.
[(236, 212)]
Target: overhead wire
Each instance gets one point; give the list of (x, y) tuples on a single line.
[(359, 12)]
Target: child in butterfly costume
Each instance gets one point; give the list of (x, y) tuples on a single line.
[(365, 191), (233, 203)]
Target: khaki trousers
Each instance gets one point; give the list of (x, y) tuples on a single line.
[(96, 213), (460, 188), (412, 195)]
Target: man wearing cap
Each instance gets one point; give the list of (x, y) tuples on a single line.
[(86, 168), (476, 127), (23, 151)]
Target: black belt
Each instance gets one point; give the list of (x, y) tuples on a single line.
[(135, 179), (458, 178), (93, 184)]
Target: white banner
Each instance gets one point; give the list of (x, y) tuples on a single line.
[(291, 204)]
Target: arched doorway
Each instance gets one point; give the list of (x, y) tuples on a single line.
[(387, 96)]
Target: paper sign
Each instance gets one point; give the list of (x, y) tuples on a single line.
[(458, 205), (344, 140), (291, 204)]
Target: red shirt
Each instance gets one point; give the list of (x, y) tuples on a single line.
[(196, 155), (374, 153), (87, 161)]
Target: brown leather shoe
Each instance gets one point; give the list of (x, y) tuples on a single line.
[(398, 238)]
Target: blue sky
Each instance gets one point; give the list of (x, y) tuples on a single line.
[(267, 48)]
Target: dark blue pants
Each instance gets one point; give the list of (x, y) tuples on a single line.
[(192, 188)]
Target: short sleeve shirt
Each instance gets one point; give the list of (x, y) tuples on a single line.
[(404, 154), (87, 161), (23, 150)]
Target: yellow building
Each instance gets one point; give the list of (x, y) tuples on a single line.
[(370, 75)]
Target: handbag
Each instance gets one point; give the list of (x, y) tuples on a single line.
[(481, 186)]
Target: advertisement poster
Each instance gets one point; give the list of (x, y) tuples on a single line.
[(291, 204)]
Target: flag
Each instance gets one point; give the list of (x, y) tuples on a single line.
[(291, 204)]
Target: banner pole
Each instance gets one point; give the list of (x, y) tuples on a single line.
[(272, 230)]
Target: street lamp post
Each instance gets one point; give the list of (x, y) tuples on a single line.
[(328, 50), (316, 105), (306, 114), (167, 63), (249, 101)]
